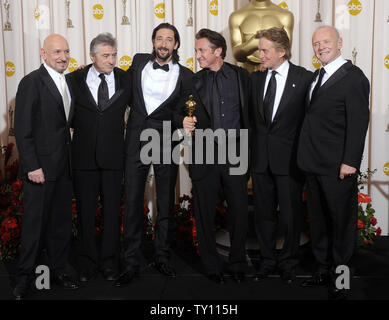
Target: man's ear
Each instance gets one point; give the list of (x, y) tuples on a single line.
[(218, 52), (43, 54)]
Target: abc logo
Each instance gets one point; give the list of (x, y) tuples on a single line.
[(37, 13), (73, 64), (387, 61), (315, 62), (386, 168), (98, 11), (9, 69), (125, 62), (214, 7), (159, 10), (283, 5), (189, 64), (354, 7)]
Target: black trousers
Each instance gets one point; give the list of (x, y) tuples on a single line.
[(89, 184), (205, 192), (47, 223), (333, 213), (270, 191), (135, 181)]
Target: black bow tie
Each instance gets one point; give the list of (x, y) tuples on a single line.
[(164, 67)]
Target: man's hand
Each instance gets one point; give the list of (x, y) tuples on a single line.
[(346, 170), (83, 66), (37, 176), (189, 124)]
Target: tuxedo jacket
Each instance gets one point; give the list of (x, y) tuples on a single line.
[(98, 137), (203, 112), (276, 146), (336, 123), (139, 119), (41, 129)]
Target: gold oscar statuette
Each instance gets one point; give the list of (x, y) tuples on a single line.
[(190, 108), (252, 18), (189, 22), (355, 53), (318, 15), (125, 19), (69, 22), (7, 24)]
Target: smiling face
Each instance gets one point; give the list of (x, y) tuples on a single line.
[(55, 53), (164, 45), (207, 56), (271, 58), (326, 45), (105, 58)]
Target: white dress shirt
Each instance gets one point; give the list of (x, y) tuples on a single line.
[(281, 76), (330, 69), (158, 85), (55, 75), (93, 81)]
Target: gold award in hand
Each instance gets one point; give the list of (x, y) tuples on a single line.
[(190, 107)]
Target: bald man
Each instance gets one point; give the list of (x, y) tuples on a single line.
[(42, 134)]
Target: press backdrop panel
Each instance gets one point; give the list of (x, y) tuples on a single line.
[(363, 25)]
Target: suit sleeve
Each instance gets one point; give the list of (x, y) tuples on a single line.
[(357, 120), (179, 112), (27, 100)]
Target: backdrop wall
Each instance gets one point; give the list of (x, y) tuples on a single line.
[(364, 26)]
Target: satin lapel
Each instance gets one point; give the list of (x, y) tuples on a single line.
[(290, 86), (50, 84), (201, 88), (336, 77), (260, 86), (308, 98), (86, 97), (138, 83), (241, 90)]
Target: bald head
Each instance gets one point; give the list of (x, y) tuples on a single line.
[(55, 52), (329, 29)]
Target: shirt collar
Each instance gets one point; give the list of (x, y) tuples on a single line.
[(53, 73), (224, 71), (334, 65), (95, 74), (282, 70)]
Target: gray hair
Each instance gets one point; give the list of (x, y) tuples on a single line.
[(103, 38), (329, 27)]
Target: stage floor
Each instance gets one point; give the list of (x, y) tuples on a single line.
[(371, 281)]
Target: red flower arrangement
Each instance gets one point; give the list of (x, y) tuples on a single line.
[(186, 224), (11, 209), (366, 220)]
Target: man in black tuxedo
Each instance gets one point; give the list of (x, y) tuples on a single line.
[(42, 115), (277, 111), (158, 81), (330, 151), (221, 91), (101, 93)]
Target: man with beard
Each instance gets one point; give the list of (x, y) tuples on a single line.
[(158, 84)]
